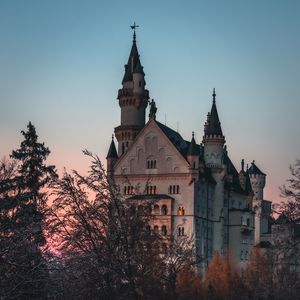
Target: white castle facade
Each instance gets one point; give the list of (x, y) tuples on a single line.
[(196, 189)]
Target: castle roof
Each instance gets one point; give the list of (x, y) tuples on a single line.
[(231, 170), (112, 151), (193, 149), (150, 197), (133, 64), (213, 124), (255, 170)]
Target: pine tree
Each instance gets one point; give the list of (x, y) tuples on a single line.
[(23, 272)]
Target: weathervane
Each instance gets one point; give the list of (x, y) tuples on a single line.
[(133, 27)]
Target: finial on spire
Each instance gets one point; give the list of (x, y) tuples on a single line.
[(112, 136), (133, 27), (242, 164), (193, 134), (214, 95)]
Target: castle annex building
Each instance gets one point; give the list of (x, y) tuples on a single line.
[(196, 189)]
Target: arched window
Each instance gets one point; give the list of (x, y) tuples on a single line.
[(156, 229), (125, 190), (170, 189), (154, 190), (156, 209), (164, 210), (174, 189), (148, 164), (180, 231), (164, 230), (180, 211), (177, 189), (151, 164)]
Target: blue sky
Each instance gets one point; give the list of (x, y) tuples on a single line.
[(62, 62)]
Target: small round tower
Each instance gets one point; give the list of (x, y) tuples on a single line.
[(213, 139), (258, 181)]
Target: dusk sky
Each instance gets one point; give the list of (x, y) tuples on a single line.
[(62, 63)]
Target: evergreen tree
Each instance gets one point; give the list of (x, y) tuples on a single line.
[(23, 272)]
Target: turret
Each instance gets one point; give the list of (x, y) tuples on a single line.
[(193, 154), (258, 181), (133, 100), (111, 158), (213, 139)]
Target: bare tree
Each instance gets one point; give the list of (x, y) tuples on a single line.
[(107, 251)]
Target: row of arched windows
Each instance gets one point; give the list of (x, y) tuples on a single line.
[(163, 230), (126, 135), (174, 189), (160, 211), (151, 164), (128, 190), (127, 102), (151, 190)]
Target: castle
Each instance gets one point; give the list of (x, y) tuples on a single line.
[(196, 189)]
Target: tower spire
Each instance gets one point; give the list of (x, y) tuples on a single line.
[(133, 27), (214, 95)]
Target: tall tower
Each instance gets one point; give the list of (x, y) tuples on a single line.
[(258, 181), (213, 142), (133, 100)]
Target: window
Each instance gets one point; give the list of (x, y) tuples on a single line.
[(164, 230), (156, 209), (248, 222), (180, 231), (151, 164), (128, 190), (151, 190), (180, 211), (148, 230), (174, 189), (156, 229), (164, 210)]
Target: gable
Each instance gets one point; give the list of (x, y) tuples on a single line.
[(151, 153)]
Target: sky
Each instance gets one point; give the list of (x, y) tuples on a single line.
[(62, 63)]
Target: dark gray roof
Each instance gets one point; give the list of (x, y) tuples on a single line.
[(255, 170), (138, 68), (112, 151), (133, 62), (193, 149), (213, 125), (150, 197), (175, 138), (231, 170)]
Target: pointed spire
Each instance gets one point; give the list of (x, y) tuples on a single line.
[(214, 95), (112, 152), (133, 64), (193, 148), (213, 125)]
